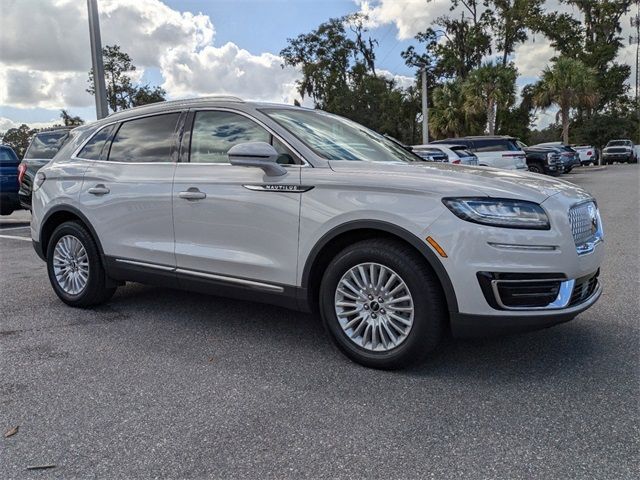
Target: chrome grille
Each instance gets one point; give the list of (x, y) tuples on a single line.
[(584, 222)]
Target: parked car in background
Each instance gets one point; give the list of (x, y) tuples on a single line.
[(570, 158), (8, 180), (588, 154), (618, 151), (42, 148), (430, 154), (543, 159), (456, 154), (492, 151), (212, 195)]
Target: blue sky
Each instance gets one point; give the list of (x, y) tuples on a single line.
[(202, 47)]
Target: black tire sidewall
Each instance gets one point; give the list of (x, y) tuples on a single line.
[(95, 284), (426, 331)]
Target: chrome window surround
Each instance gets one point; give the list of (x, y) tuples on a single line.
[(74, 155)]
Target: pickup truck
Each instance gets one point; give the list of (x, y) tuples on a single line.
[(618, 151), (588, 154), (545, 160), (8, 180)]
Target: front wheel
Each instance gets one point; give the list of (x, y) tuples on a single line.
[(74, 266), (382, 304), (536, 168)]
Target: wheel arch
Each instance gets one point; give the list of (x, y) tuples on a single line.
[(57, 216), (343, 235)]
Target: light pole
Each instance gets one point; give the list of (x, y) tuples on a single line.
[(425, 108), (96, 57)]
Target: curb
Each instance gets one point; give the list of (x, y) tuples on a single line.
[(589, 169)]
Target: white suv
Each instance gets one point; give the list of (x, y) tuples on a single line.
[(312, 211)]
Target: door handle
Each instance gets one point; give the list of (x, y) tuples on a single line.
[(99, 189), (192, 194)]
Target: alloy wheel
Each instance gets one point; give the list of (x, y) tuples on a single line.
[(374, 307)]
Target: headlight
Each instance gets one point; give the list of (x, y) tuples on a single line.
[(499, 212)]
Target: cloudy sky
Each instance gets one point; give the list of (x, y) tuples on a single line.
[(199, 47)]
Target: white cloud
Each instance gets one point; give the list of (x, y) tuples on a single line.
[(402, 81), (7, 123), (409, 16), (48, 67)]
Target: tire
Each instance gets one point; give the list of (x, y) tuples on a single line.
[(536, 168), (6, 210), (85, 258), (428, 302), (568, 170)]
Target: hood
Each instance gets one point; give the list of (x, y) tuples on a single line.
[(458, 180)]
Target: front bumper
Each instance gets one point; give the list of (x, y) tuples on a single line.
[(515, 254), (470, 325)]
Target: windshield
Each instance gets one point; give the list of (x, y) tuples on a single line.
[(336, 138), (618, 143), (46, 145)]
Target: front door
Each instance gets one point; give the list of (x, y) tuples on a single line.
[(234, 224)]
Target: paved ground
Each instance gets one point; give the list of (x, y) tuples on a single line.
[(162, 383)]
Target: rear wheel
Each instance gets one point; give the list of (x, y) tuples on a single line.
[(74, 266), (382, 305)]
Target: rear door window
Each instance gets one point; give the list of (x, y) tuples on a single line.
[(95, 149), (145, 140)]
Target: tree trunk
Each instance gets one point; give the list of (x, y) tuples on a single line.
[(491, 117), (565, 125)]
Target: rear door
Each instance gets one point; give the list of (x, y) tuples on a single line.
[(8, 174), (499, 153), (234, 224), (127, 188)]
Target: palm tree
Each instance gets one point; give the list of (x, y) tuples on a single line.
[(488, 88), (569, 83), (446, 116)]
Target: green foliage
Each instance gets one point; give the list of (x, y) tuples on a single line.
[(596, 41), (488, 88), (70, 121), (339, 75), (569, 84), (121, 92), (18, 139)]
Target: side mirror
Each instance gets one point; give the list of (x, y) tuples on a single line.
[(256, 154)]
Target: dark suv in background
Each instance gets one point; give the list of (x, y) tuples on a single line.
[(43, 147)]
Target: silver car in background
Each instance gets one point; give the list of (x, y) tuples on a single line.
[(456, 154)]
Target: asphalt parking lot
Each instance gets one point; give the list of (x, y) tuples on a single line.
[(164, 383)]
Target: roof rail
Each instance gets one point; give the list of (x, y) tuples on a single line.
[(181, 102)]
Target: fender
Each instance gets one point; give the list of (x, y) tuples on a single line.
[(74, 211), (425, 251)]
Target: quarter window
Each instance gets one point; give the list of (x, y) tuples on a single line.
[(93, 149), (148, 139)]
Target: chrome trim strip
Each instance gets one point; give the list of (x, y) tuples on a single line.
[(239, 281), (275, 187), (512, 246), (561, 301), (165, 268)]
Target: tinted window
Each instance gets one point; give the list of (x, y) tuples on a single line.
[(93, 149), (45, 145), (7, 156), (147, 139), (214, 133), (494, 145), (462, 151)]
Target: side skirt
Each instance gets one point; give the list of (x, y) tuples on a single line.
[(203, 282)]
